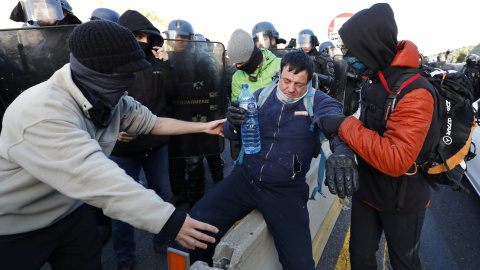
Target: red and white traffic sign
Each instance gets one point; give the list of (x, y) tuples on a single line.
[(335, 25)]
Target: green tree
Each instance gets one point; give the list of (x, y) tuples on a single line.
[(461, 57)]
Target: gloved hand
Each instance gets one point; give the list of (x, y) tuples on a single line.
[(292, 43), (235, 116), (341, 174)]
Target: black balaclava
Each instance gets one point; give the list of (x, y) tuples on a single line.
[(102, 90), (251, 65), (371, 36)]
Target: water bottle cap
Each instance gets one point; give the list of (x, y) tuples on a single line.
[(244, 85)]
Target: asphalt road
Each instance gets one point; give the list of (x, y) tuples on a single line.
[(450, 237)]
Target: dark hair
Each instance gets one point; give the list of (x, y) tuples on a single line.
[(298, 61)]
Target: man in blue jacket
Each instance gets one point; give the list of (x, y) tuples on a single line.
[(273, 180)]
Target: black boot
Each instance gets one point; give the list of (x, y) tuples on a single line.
[(215, 165), (196, 179)]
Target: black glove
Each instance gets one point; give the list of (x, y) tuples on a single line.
[(341, 169), (235, 116), (331, 124), (292, 43)]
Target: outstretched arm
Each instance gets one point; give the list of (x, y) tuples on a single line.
[(170, 126)]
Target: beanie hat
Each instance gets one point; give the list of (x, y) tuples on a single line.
[(107, 47), (240, 46)]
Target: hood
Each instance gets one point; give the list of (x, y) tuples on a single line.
[(137, 23), (407, 56), (371, 36)]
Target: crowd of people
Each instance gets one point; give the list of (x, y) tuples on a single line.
[(130, 101)]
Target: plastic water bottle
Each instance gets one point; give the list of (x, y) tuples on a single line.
[(250, 130)]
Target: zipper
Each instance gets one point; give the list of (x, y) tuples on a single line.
[(271, 145), (294, 173)]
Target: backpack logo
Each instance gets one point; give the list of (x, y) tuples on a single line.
[(447, 140)]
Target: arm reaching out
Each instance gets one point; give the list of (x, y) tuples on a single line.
[(170, 126), (189, 235)]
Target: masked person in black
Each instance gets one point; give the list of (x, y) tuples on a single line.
[(307, 42), (144, 152), (393, 195), (54, 158), (194, 79)]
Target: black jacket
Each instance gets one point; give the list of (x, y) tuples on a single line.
[(151, 88)]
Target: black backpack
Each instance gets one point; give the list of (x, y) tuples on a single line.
[(446, 161)]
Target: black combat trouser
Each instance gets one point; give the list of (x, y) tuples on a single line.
[(402, 232)]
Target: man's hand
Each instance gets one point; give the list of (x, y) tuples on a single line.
[(189, 235), (160, 53), (125, 137), (341, 169), (215, 127), (235, 115)]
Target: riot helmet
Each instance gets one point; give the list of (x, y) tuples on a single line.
[(201, 46), (105, 14), (329, 48), (442, 57), (472, 59), (180, 29), (307, 40), (266, 36)]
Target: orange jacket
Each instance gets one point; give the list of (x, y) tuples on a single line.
[(394, 152)]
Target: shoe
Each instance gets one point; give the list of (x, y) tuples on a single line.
[(125, 265)]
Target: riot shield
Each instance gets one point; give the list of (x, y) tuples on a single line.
[(340, 67), (199, 94), (281, 52), (29, 56)]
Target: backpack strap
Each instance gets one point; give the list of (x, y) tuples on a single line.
[(321, 169), (392, 98)]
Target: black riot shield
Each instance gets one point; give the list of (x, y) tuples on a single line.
[(199, 94), (340, 67), (29, 56)]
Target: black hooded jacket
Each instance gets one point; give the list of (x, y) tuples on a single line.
[(151, 88), (371, 36)]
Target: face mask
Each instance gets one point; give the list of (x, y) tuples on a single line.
[(358, 67), (146, 47)]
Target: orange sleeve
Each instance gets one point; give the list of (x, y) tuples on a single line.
[(394, 152)]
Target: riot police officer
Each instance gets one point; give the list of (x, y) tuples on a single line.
[(44, 13), (195, 75), (327, 47), (324, 70), (442, 61), (471, 70), (266, 36)]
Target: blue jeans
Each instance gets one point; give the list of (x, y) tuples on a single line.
[(155, 167)]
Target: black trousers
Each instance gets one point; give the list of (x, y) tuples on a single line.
[(402, 232), (283, 205), (70, 243)]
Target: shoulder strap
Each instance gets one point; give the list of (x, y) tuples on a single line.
[(392, 98), (265, 93)]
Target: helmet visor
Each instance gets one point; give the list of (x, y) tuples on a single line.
[(43, 10), (304, 39), (174, 34)]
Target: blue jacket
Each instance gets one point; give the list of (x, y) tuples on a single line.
[(287, 143)]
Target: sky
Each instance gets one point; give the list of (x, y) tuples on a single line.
[(434, 27)]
